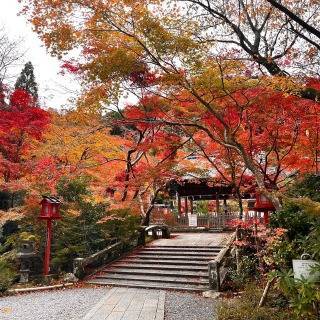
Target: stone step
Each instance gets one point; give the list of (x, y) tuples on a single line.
[(181, 249), (184, 247), (174, 257), (149, 285), (161, 267), (173, 273), (174, 253), (153, 278), (162, 261), (158, 267)]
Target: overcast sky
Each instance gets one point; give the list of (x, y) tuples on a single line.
[(51, 84)]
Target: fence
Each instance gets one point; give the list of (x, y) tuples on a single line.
[(212, 220)]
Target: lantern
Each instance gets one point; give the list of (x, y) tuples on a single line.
[(50, 208), (263, 204), (49, 211)]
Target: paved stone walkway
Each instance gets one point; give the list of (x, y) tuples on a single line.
[(129, 304), (194, 239)]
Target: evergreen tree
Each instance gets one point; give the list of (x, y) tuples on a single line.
[(26, 80)]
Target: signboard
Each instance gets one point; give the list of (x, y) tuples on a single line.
[(303, 269), (193, 220)]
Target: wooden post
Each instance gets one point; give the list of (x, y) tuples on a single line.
[(179, 205), (255, 223), (191, 205), (225, 203), (225, 211), (218, 209), (186, 205), (47, 248), (266, 217), (246, 214), (217, 203)]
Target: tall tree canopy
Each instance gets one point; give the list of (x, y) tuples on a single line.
[(208, 62), (21, 125)]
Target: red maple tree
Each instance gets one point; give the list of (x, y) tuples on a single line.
[(21, 124)]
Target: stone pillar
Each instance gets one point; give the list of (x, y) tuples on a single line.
[(214, 275)]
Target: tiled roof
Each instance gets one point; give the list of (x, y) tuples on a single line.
[(52, 199)]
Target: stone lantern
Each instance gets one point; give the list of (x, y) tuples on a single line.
[(25, 255)]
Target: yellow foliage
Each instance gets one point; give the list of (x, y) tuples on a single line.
[(310, 207), (79, 140)]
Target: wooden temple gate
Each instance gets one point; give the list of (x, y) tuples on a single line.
[(185, 215), (219, 214), (212, 220)]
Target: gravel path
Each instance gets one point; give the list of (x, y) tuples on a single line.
[(187, 306), (67, 304), (73, 304)]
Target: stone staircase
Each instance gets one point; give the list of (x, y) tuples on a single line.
[(160, 267)]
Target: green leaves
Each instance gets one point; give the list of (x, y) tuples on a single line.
[(303, 295), (73, 190), (7, 275)]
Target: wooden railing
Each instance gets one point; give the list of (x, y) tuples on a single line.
[(213, 220)]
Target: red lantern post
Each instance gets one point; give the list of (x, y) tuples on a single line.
[(49, 212), (263, 204)]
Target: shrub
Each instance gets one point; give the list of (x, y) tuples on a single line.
[(78, 235), (120, 224), (246, 307), (7, 275), (90, 231), (85, 228), (247, 271), (294, 219), (304, 295), (311, 244), (308, 186)]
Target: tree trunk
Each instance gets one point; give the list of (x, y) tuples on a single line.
[(258, 176), (239, 203), (12, 199), (147, 216)]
